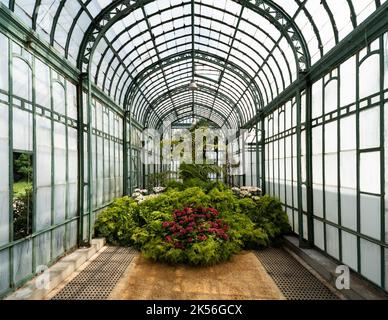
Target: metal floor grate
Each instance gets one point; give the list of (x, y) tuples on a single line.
[(293, 279), (100, 277)]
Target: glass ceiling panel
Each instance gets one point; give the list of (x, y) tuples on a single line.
[(147, 33)]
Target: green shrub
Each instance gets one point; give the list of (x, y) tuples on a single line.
[(251, 224), (173, 184), (268, 214), (118, 221), (197, 171)]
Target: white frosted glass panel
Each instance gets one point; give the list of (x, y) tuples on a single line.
[(60, 166), (4, 181), (370, 128), (22, 260), (22, 130), (371, 261), (73, 169), (348, 81), (331, 137), (349, 208), (43, 208), (71, 100), (71, 235), (332, 243), (4, 270), (319, 239), (290, 217), (318, 200), (348, 169), (43, 154), (305, 227), (317, 99), (386, 268), (369, 76), (331, 201), (86, 227), (349, 250), (22, 79), (288, 193), (3, 62), (331, 165), (370, 172), (370, 216), (296, 222), (72, 200), (348, 133), (3, 131), (60, 203), (386, 155), (42, 84), (43, 248), (4, 217), (385, 47), (59, 154), (304, 198), (331, 94), (59, 97), (59, 241)]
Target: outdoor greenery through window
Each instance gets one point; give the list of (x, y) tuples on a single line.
[(22, 194)]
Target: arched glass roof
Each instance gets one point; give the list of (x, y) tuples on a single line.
[(241, 53)]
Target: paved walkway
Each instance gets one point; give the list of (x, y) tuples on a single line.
[(242, 278)]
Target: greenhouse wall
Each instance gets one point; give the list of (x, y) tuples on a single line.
[(38, 115), (349, 142), (42, 121)]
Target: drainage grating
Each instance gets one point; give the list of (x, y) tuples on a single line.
[(99, 278), (292, 278)]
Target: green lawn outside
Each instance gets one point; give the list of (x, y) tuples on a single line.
[(20, 187)]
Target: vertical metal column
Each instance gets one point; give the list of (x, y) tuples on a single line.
[(299, 164), (125, 154), (130, 152), (309, 165), (242, 150), (382, 163), (90, 158), (262, 143), (10, 163), (81, 152), (257, 157)]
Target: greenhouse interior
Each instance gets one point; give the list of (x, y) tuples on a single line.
[(146, 145)]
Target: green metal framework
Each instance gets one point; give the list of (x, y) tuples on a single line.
[(125, 65)]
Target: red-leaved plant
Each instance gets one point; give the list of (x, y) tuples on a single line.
[(192, 225)]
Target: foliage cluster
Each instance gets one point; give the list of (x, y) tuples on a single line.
[(195, 226)]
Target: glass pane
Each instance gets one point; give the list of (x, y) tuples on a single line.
[(349, 249), (370, 172), (22, 130), (370, 128), (349, 208), (3, 62), (332, 241), (43, 249), (370, 216), (369, 76), (4, 176), (319, 240), (4, 271), (22, 260), (371, 261)]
